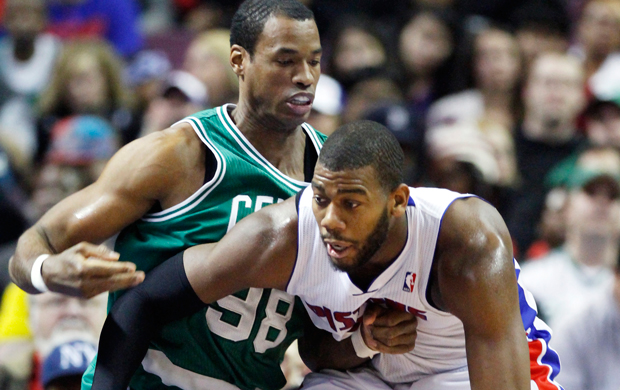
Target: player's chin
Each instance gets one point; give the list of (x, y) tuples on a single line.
[(344, 264), (293, 117)]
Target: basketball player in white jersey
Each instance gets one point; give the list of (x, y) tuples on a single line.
[(359, 235)]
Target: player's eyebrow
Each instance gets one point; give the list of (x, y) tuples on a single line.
[(321, 189), (286, 50), (351, 191), (318, 186)]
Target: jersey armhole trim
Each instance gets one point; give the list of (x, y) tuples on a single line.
[(297, 202), (204, 190), (312, 134)]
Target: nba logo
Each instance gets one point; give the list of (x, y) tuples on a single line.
[(409, 282)]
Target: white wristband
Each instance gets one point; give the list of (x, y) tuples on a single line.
[(361, 349), (36, 278)]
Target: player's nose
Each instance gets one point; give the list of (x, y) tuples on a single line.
[(331, 220)]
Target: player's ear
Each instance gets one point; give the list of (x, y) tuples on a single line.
[(400, 198), (237, 59)]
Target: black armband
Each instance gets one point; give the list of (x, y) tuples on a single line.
[(137, 317)]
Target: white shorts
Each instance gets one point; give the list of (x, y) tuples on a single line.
[(367, 378)]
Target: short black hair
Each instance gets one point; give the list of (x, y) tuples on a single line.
[(365, 143), (249, 20)]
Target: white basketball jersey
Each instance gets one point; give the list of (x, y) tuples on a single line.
[(335, 303)]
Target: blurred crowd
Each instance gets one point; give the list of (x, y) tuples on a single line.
[(516, 101)]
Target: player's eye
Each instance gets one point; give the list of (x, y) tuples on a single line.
[(320, 200), (351, 204)]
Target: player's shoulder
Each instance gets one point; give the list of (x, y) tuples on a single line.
[(281, 215), (432, 200), (472, 225), (157, 159), (207, 114), (170, 145), (210, 119)]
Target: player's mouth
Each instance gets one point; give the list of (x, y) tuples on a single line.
[(338, 249), (300, 103)]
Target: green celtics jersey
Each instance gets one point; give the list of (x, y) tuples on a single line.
[(240, 339)]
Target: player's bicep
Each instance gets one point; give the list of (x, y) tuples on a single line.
[(478, 285), (258, 252), (125, 191), (476, 275)]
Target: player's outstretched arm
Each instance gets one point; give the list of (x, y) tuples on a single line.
[(134, 179), (258, 252), (477, 283)]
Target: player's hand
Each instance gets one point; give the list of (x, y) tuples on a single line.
[(388, 330), (86, 270)]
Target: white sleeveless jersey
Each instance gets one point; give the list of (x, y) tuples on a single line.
[(335, 303)]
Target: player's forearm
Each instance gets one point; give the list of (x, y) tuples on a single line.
[(503, 364), (319, 350), (31, 244), (137, 317)]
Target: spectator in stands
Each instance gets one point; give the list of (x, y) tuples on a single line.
[(553, 97), (493, 85), (54, 320), (551, 230), (183, 95), (199, 16), (461, 159), (330, 12), (56, 317), (13, 200), (27, 57), (598, 33), (602, 122), (146, 75), (79, 148), (15, 340), (327, 105), (371, 93), (87, 80), (589, 342), (113, 20), (207, 58), (156, 16), (63, 368), (409, 130), (572, 276), (598, 45), (541, 26), (492, 103), (358, 51), (426, 50)]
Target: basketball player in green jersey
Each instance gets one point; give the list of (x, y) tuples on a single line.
[(188, 185)]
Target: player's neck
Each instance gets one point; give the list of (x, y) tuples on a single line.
[(282, 147)]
